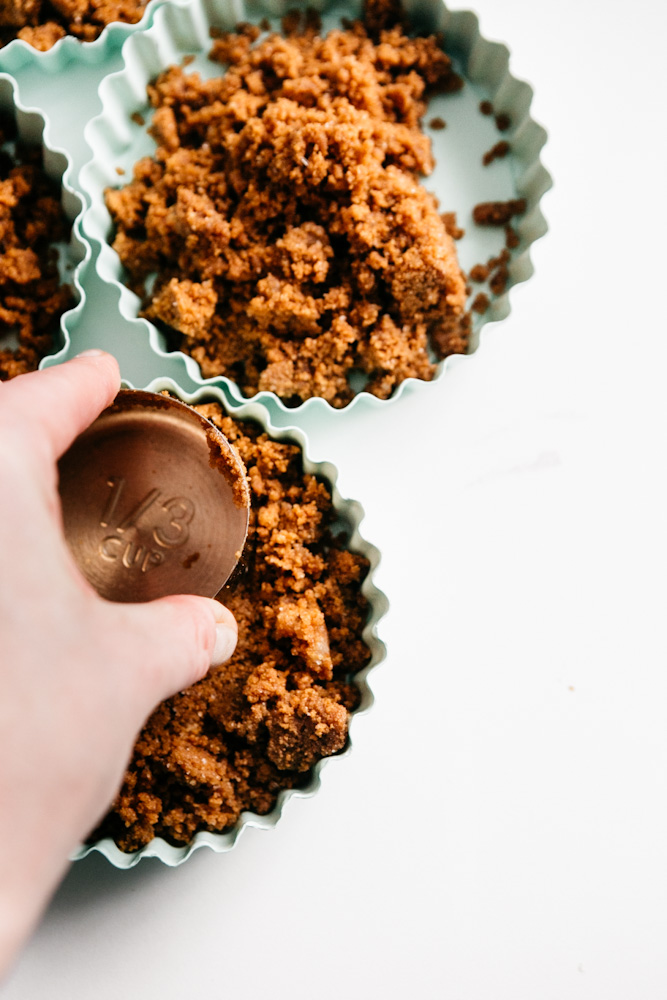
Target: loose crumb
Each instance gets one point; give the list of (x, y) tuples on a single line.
[(497, 152), (512, 239), (437, 124), (290, 22), (257, 724), (478, 273), (138, 119), (41, 23), (480, 303), (383, 15), (496, 272), (296, 250), (503, 122), (120, 171), (498, 213), (32, 220), (486, 107), (503, 258), (498, 280), (452, 226)]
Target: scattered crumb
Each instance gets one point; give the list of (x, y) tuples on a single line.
[(497, 152), (486, 107), (437, 124), (120, 171), (187, 60), (503, 258), (138, 119), (290, 22), (479, 273), (498, 280), (511, 238), (496, 272), (499, 272), (384, 15), (452, 226), (503, 122), (480, 303), (498, 213)]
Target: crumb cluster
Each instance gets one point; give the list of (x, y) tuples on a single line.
[(497, 152), (295, 249), (480, 303), (32, 297), (258, 723), (496, 272), (502, 120), (498, 213), (41, 23)]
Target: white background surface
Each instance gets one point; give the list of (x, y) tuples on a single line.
[(500, 830)]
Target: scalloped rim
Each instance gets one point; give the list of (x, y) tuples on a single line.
[(17, 54), (33, 123), (485, 63), (351, 513)]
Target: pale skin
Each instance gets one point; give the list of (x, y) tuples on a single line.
[(78, 675)]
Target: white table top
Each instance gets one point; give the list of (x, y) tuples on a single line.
[(517, 849)]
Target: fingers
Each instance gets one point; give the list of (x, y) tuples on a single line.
[(56, 404), (175, 640)]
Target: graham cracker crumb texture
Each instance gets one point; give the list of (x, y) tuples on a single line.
[(282, 212), (32, 296), (258, 723), (41, 23)]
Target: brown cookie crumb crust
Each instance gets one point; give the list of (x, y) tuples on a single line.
[(257, 724), (41, 23), (32, 220), (293, 243)]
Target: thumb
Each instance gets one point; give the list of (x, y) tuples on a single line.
[(173, 641), (54, 405)]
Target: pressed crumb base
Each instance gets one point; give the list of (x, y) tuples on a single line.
[(295, 249), (257, 724), (41, 23), (32, 220)]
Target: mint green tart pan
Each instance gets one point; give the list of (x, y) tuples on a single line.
[(459, 179), (348, 517)]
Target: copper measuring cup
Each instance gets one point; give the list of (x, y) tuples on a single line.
[(155, 500)]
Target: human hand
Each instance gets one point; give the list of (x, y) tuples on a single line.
[(78, 675)]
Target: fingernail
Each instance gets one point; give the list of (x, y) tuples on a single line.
[(226, 634), (92, 352), (225, 644)]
